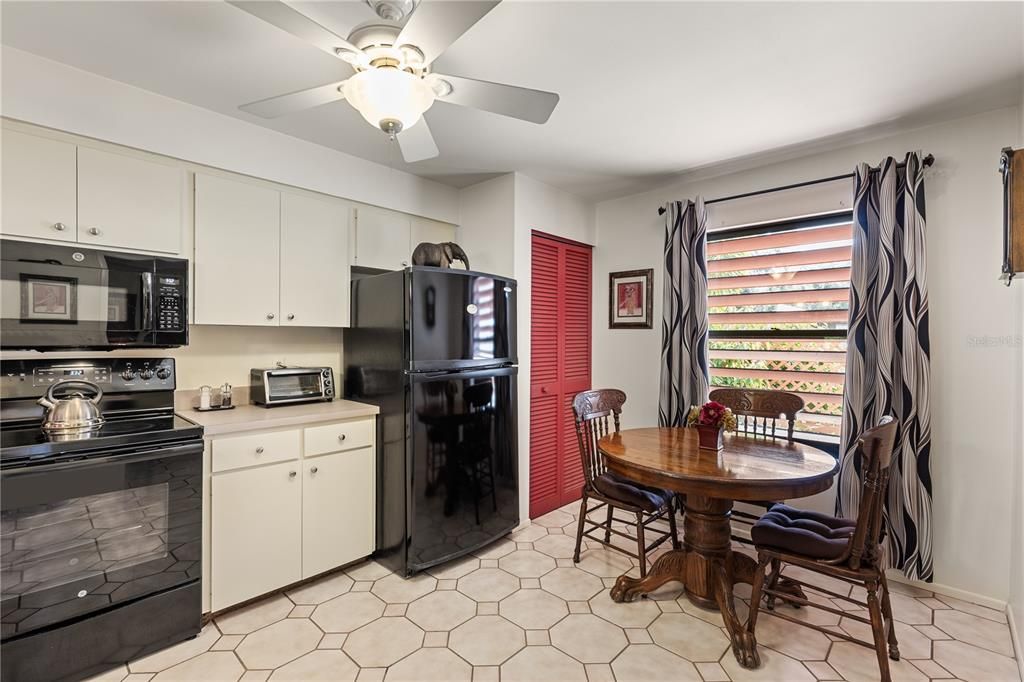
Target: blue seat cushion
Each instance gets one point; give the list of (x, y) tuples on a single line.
[(631, 493), (807, 533)]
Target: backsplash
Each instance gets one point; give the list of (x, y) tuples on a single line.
[(216, 354)]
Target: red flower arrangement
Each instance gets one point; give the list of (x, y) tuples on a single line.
[(710, 419)]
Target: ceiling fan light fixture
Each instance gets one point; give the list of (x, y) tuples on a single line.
[(388, 98)]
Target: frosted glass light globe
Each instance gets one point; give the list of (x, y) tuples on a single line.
[(389, 99)]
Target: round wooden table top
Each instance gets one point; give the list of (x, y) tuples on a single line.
[(747, 468)]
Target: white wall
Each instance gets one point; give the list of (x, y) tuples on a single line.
[(487, 225), (972, 457), (55, 95), (497, 219), (1016, 601)]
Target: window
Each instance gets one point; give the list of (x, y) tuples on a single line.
[(778, 296)]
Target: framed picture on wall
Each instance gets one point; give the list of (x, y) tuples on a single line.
[(629, 299)]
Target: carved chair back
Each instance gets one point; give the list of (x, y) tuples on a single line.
[(593, 410), (753, 404), (874, 450)]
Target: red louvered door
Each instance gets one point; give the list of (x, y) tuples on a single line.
[(559, 368)]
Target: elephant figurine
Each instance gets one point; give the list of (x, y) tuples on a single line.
[(439, 255)]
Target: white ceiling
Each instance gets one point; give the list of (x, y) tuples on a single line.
[(648, 89)]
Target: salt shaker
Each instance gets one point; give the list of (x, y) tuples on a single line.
[(205, 394), (225, 395)]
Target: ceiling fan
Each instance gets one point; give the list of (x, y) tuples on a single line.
[(393, 84)]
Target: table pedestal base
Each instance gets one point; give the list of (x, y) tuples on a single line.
[(707, 567)]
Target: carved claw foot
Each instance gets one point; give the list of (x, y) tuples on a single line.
[(744, 647), (626, 589), (668, 567), (894, 652), (787, 586)]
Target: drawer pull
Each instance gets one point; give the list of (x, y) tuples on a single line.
[(60, 227), (291, 474), (259, 450), (313, 470), (95, 231), (341, 437)]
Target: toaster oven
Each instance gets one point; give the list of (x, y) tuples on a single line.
[(291, 385)]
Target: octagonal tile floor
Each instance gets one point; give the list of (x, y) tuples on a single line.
[(519, 609)]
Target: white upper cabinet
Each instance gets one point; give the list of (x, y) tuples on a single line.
[(129, 202), (38, 187), (237, 245), (314, 262), (383, 239), (426, 230)]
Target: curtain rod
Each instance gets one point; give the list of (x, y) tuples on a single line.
[(926, 161)]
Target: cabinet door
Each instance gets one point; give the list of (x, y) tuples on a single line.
[(337, 510), (314, 262), (425, 230), (382, 239), (38, 187), (129, 202), (255, 541), (238, 232)]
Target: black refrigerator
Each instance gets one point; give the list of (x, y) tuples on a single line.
[(435, 349)]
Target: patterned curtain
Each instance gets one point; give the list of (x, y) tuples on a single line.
[(684, 324), (887, 363)]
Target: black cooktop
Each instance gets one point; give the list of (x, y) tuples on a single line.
[(26, 443)]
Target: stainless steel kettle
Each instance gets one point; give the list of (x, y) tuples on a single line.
[(73, 413)]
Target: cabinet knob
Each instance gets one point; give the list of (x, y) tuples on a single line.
[(313, 470), (405, 263), (259, 450), (95, 231), (270, 316), (291, 316), (60, 227), (341, 437), (291, 474)]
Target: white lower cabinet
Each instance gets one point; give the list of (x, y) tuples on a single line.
[(337, 510), (255, 546), (272, 522)]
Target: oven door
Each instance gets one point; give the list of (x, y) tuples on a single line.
[(63, 297), (84, 536), (294, 385)]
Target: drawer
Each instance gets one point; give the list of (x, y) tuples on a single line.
[(357, 433), (236, 452)]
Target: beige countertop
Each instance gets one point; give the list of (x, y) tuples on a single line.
[(254, 417)]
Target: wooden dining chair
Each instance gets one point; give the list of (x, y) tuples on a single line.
[(847, 550), (593, 410), (758, 412)]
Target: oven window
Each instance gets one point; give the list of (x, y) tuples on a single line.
[(284, 386)]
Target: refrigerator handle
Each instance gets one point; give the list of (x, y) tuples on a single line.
[(505, 370)]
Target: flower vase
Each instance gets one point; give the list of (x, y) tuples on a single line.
[(709, 437)]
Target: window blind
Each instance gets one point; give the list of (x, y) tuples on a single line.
[(778, 298)]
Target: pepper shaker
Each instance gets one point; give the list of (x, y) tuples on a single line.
[(225, 395)]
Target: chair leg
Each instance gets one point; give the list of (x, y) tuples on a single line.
[(579, 527), (894, 645), (672, 524), (641, 545), (608, 528), (756, 592), (773, 580), (878, 630)]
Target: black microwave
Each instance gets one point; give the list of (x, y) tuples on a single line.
[(65, 297)]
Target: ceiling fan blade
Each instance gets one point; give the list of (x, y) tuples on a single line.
[(296, 23), (508, 100), (436, 24), (272, 107), (417, 143)]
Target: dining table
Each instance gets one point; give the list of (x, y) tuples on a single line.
[(747, 468)]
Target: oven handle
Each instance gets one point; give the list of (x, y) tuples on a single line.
[(136, 457), (147, 301)]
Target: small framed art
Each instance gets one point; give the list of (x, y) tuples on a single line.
[(629, 299), (49, 299)]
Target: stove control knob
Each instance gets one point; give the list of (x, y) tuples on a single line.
[(128, 374), (146, 374), (163, 373)]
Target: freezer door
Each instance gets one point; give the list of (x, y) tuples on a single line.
[(463, 463), (460, 319)]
